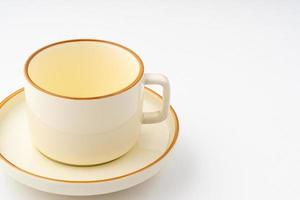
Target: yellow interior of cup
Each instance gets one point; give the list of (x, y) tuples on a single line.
[(84, 68)]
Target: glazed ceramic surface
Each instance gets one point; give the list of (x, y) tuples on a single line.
[(71, 125), (24, 163)]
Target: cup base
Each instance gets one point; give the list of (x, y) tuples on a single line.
[(83, 149), (78, 165)]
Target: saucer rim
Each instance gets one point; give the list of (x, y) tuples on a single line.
[(176, 133)]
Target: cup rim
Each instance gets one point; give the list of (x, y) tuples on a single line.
[(124, 89)]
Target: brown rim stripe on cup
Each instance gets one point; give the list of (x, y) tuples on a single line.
[(138, 78), (100, 180)]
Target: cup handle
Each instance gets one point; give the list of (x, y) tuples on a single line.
[(162, 114)]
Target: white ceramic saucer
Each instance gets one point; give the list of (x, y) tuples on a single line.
[(24, 163)]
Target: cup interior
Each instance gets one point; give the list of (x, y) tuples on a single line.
[(84, 68)]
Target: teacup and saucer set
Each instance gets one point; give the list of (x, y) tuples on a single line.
[(85, 124)]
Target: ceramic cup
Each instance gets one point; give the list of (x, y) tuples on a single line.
[(84, 100)]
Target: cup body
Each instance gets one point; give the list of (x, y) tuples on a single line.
[(83, 130)]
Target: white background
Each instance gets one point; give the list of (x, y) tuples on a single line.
[(234, 69)]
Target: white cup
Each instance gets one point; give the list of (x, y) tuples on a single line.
[(84, 100)]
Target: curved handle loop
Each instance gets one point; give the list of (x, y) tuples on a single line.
[(162, 114)]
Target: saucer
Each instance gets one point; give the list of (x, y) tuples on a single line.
[(25, 164)]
